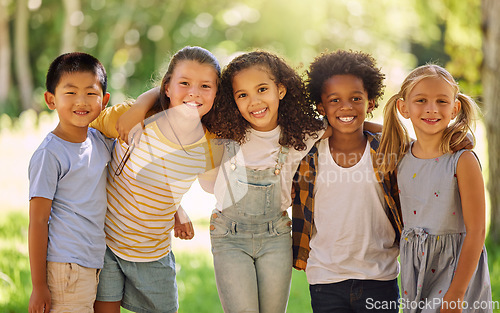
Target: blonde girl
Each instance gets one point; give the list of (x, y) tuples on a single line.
[(443, 258)]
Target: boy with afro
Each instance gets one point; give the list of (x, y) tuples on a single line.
[(346, 216)]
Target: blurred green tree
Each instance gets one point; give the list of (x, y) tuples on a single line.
[(491, 83)]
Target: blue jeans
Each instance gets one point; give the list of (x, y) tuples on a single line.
[(356, 296), (252, 269)]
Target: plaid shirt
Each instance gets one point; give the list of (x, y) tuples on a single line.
[(303, 202)]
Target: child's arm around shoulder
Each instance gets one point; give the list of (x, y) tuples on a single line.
[(472, 194), (137, 113), (38, 232), (106, 121)]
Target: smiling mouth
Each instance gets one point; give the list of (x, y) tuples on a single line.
[(346, 119), (431, 120), (259, 112), (193, 104), (81, 112)]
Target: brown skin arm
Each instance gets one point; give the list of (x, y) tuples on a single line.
[(38, 233), (137, 113), (467, 143), (472, 195), (372, 127)]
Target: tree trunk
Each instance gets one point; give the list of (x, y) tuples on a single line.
[(491, 87), (5, 54), (22, 62), (69, 34)]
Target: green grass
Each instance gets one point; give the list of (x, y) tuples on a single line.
[(195, 276)]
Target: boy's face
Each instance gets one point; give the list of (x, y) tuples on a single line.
[(345, 103), (78, 99)]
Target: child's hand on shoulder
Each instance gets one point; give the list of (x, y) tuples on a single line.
[(467, 143)]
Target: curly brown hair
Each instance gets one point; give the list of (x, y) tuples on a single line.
[(296, 116), (342, 62)]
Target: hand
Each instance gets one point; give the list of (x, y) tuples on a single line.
[(126, 126), (40, 300), (451, 303), (183, 229), (467, 143)]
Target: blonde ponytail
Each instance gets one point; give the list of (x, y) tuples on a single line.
[(464, 122), (395, 139)]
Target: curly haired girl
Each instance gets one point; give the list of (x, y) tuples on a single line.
[(262, 109)]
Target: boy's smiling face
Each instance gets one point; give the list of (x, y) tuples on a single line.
[(78, 100), (345, 103)]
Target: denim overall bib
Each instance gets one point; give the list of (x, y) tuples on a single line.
[(251, 242)]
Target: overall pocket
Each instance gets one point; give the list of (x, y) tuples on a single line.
[(255, 199)]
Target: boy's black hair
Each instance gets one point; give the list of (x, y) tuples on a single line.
[(71, 63), (342, 62)]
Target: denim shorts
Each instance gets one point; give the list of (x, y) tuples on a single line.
[(142, 287)]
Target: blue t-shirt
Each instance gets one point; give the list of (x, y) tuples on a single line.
[(73, 176)]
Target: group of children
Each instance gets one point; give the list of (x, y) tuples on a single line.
[(102, 210)]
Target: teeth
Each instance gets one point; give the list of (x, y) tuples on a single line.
[(193, 104), (261, 111), (432, 120), (346, 118), (81, 112)]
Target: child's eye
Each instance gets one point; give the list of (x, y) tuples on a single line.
[(92, 94), (334, 100), (69, 93), (241, 95), (420, 100), (184, 83), (206, 86), (356, 99), (262, 89)]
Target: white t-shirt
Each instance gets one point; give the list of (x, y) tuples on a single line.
[(352, 238), (260, 151)]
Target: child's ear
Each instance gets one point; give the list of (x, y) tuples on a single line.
[(281, 91), (402, 108), (105, 100), (50, 100), (371, 106), (321, 108), (456, 109), (167, 91)]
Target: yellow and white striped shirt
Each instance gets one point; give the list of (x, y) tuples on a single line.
[(143, 199)]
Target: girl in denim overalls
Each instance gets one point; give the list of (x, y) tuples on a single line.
[(268, 127)]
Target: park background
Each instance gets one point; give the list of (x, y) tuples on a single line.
[(134, 40)]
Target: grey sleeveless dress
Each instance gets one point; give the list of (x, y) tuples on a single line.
[(433, 235)]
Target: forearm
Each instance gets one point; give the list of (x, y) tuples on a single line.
[(37, 247), (372, 127)]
